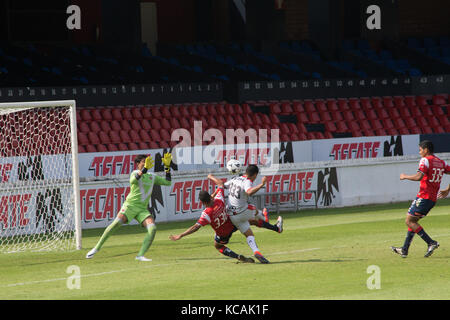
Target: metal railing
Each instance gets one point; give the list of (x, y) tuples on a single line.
[(261, 202)]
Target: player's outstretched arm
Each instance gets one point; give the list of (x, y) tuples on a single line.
[(416, 177), (444, 193), (189, 231), (217, 181), (254, 190)]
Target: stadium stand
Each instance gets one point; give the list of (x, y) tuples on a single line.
[(150, 127)]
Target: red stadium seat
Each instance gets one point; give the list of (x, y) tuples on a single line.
[(154, 135), (404, 112), (325, 116), (437, 111), (174, 123), (175, 112), (83, 127), (104, 137), (165, 112), (377, 102), (94, 138), (90, 148), (286, 108), (298, 107), (433, 121), (387, 123), (336, 116), (275, 108), (341, 126), (348, 115), (302, 117), (365, 103), (314, 117), (124, 136), (81, 149), (156, 113), (122, 147), (105, 126), (332, 105), (415, 111), (381, 132), (399, 123), (388, 102), (144, 135), (354, 104), (85, 115), (126, 113), (135, 124), (125, 125), (116, 114), (136, 113), (393, 113), (112, 147), (343, 104), (134, 136), (83, 139), (391, 132), (421, 101), (380, 114), (321, 106), (360, 115), (115, 125), (410, 101), (403, 131), (330, 126), (309, 106), (114, 136), (94, 126), (132, 146), (439, 99), (422, 122), (399, 101), (246, 108), (146, 113)]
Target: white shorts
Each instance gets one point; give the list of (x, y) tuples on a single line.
[(241, 220)]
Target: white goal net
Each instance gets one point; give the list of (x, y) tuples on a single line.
[(39, 185)]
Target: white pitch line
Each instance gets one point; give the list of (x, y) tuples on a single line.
[(84, 276)]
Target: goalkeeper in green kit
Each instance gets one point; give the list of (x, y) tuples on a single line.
[(136, 203)]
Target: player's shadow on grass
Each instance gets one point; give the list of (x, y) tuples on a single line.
[(316, 260)]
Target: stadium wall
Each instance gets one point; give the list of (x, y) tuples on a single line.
[(338, 183)]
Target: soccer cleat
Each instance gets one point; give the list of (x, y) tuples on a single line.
[(91, 253), (431, 249), (260, 257), (142, 258), (245, 259), (279, 224), (400, 251), (266, 215)]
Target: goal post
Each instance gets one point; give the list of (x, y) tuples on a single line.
[(39, 177)]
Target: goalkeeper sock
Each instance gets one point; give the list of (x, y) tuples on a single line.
[(108, 231), (228, 252), (151, 231), (266, 225)]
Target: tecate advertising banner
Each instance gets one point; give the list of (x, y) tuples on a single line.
[(365, 147)]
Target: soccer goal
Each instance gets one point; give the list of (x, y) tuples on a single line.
[(39, 182)]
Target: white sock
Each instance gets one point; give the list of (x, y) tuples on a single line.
[(252, 244)]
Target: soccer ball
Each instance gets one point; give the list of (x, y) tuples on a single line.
[(234, 166)]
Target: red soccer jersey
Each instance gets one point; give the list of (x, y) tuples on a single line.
[(217, 216), (433, 169)]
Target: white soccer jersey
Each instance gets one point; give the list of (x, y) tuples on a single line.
[(237, 196)]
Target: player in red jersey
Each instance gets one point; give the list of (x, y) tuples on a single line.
[(215, 215), (430, 172)]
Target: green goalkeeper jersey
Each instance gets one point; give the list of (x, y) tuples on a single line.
[(141, 189)]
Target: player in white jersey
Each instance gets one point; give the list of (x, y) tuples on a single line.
[(242, 213)]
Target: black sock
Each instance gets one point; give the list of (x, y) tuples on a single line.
[(409, 237), (424, 236), (228, 252), (266, 225)]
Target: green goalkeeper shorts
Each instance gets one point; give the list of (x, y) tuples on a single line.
[(139, 214)]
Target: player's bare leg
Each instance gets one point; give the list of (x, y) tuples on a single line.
[(230, 253), (120, 219), (149, 224)]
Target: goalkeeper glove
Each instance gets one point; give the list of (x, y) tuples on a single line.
[(167, 160), (148, 164)]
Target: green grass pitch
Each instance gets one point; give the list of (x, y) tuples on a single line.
[(322, 254)]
